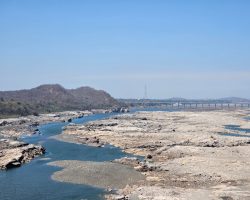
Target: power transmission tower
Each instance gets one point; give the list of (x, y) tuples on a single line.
[(145, 93), (145, 97)]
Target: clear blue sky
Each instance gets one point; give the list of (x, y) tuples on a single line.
[(180, 48)]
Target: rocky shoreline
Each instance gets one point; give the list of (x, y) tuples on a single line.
[(14, 152), (186, 154)]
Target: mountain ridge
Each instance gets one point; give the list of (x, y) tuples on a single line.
[(54, 97)]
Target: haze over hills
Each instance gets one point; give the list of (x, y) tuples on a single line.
[(235, 100), (51, 98), (179, 99)]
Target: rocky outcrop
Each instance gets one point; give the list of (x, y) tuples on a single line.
[(14, 153), (15, 127), (185, 154)]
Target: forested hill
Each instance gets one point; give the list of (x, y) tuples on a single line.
[(51, 98)]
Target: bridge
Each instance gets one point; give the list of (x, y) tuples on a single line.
[(189, 104)]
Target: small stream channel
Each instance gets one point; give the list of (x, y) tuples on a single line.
[(245, 132)]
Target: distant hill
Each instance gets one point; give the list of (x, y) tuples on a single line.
[(235, 100), (135, 102), (51, 98)]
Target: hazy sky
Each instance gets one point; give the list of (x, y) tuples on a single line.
[(180, 48)]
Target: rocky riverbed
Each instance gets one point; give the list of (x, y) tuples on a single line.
[(13, 152), (16, 127), (186, 154)]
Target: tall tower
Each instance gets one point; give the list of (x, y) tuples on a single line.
[(145, 92)]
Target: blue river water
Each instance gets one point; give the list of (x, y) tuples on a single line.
[(244, 131), (32, 180)]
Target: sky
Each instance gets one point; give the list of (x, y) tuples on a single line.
[(177, 48)]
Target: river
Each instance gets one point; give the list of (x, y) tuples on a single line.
[(33, 180)]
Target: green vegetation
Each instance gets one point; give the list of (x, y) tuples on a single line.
[(13, 108), (53, 98)]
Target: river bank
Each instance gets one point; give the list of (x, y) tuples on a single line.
[(33, 180), (14, 152), (187, 155), (28, 125)]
